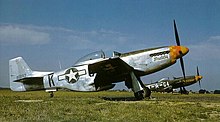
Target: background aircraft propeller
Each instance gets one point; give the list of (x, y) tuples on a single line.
[(178, 44), (197, 70)]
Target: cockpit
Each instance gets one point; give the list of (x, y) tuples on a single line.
[(163, 79), (91, 56)]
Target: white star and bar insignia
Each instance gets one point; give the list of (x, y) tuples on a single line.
[(71, 75)]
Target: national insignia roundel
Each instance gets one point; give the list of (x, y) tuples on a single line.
[(71, 75)]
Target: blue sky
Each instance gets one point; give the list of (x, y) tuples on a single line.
[(45, 33)]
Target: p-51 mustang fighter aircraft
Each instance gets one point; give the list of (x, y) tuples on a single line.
[(96, 72), (166, 85)]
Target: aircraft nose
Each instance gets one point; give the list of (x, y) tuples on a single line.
[(184, 50), (177, 52), (198, 78)]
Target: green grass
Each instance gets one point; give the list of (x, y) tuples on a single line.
[(107, 106)]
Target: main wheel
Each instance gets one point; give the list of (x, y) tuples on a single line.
[(147, 92), (139, 95), (185, 91)]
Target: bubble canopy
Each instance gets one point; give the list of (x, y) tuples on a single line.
[(91, 56)]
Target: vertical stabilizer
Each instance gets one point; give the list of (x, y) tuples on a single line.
[(18, 69)]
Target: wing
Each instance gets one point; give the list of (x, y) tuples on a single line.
[(109, 71)]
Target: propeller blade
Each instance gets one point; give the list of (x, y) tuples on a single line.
[(178, 44), (183, 69), (199, 84), (197, 70), (176, 34)]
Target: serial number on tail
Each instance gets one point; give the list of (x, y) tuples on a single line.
[(21, 76)]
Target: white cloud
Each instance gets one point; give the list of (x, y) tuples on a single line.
[(15, 34), (214, 38), (208, 50), (95, 39)]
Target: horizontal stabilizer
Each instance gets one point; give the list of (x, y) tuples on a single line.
[(22, 78), (30, 80)]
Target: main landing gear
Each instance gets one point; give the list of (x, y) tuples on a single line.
[(142, 94), (145, 93), (139, 89), (183, 90)]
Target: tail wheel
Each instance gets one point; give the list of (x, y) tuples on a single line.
[(51, 94)]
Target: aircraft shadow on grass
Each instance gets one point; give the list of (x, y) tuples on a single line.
[(119, 98)]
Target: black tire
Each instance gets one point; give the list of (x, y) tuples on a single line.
[(147, 92), (186, 92), (51, 94), (139, 95)]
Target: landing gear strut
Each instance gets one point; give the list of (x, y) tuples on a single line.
[(183, 90), (139, 89), (145, 93)]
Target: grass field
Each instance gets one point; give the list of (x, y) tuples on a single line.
[(107, 106)]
